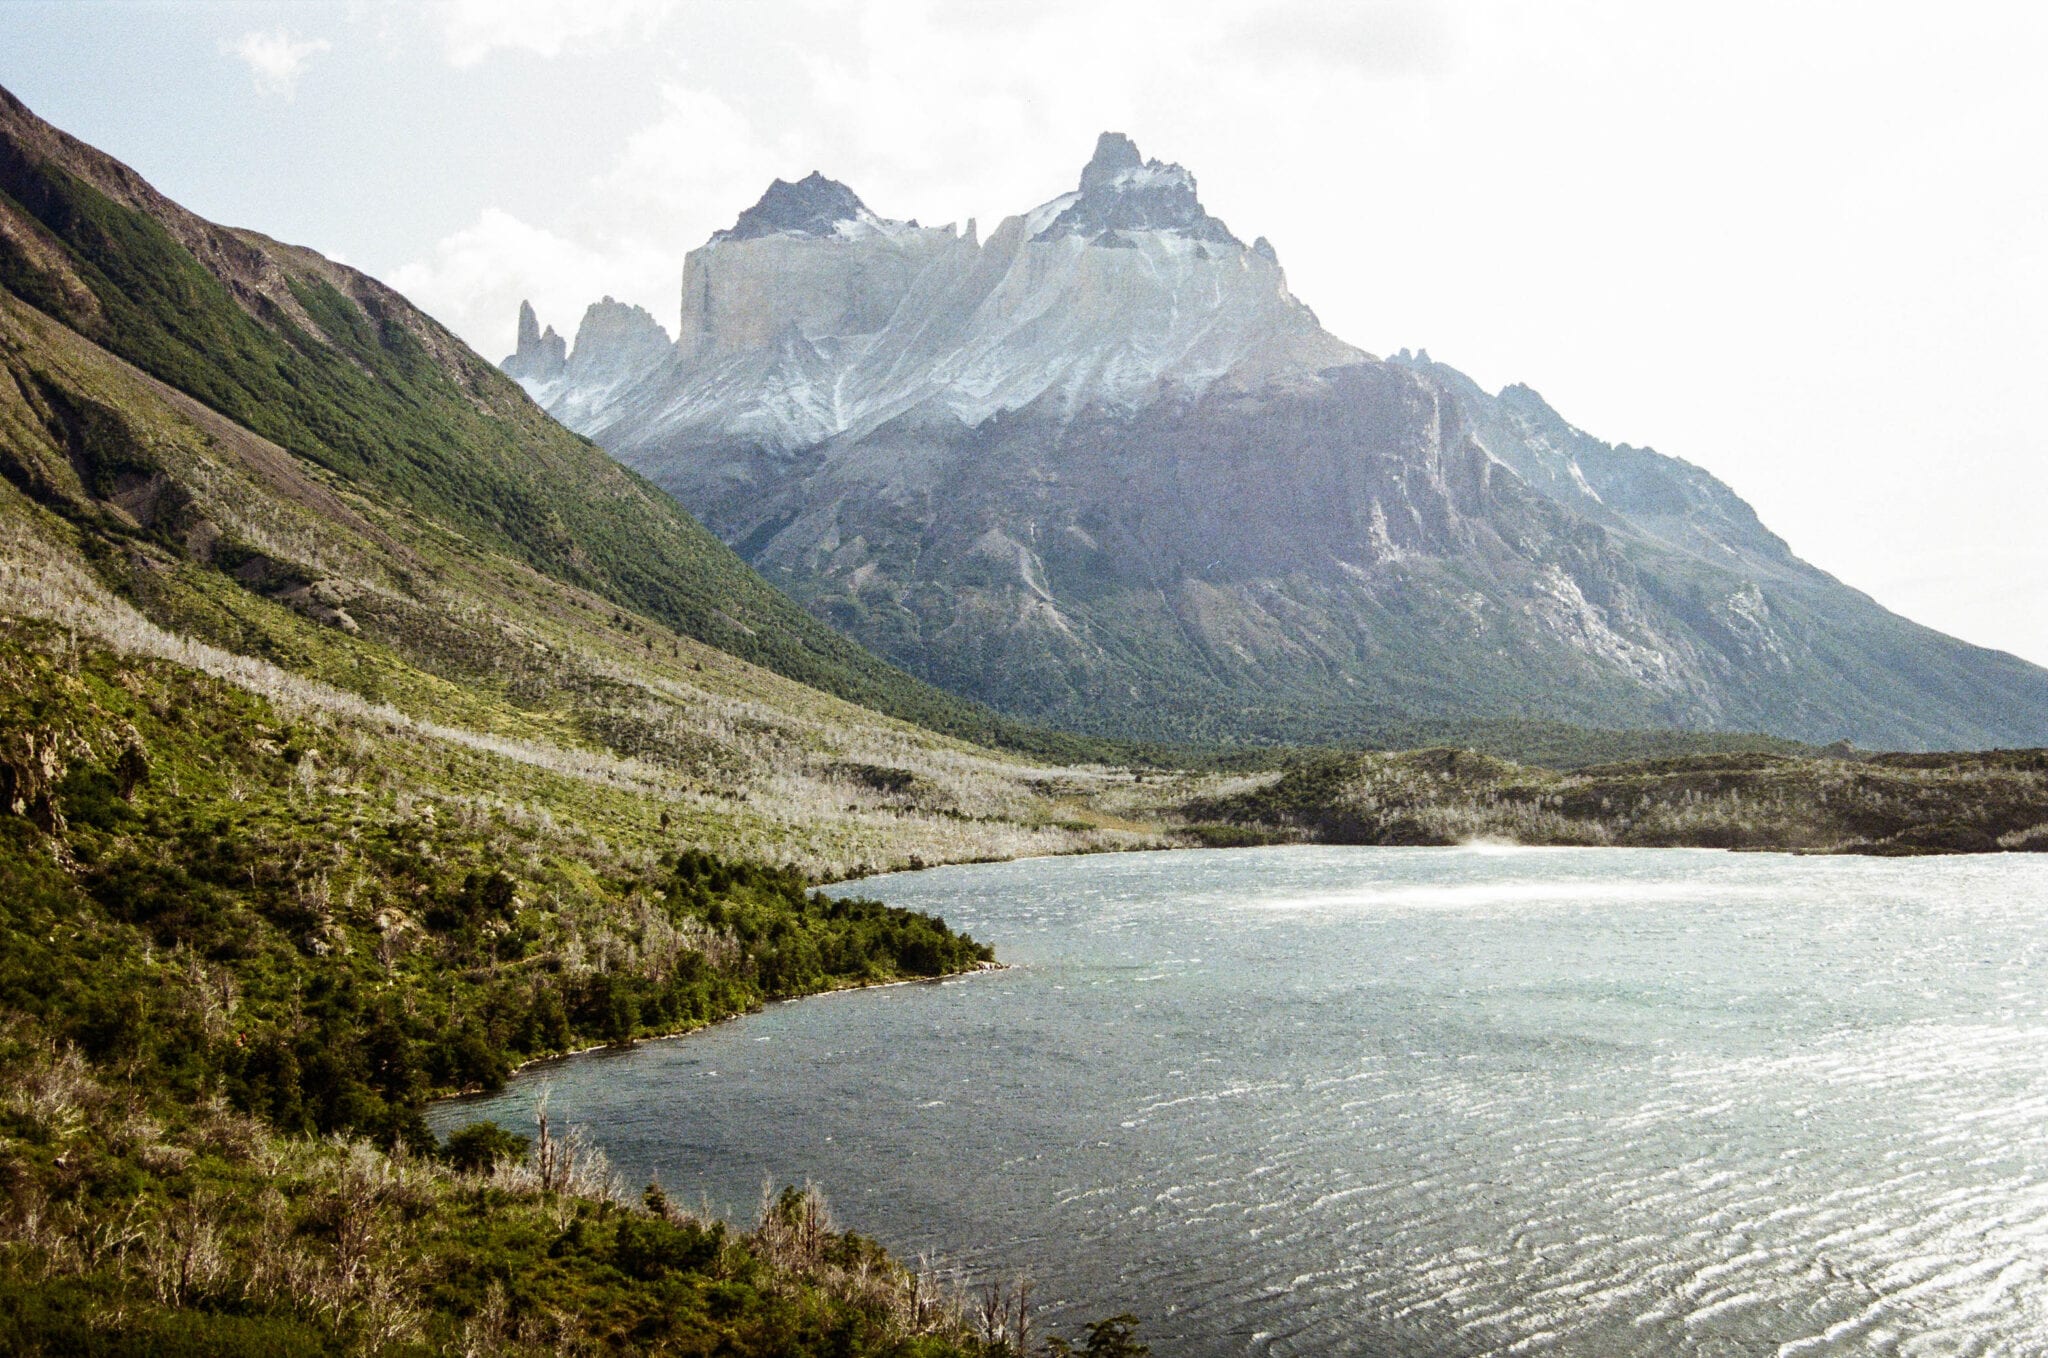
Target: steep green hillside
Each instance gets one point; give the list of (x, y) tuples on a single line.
[(377, 919), (137, 515), (338, 369), (328, 782)]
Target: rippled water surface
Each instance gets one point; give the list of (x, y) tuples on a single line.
[(1414, 1101)]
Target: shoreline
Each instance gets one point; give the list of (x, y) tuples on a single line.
[(1850, 850), (981, 970)]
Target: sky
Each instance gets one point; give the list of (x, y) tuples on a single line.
[(1802, 245)]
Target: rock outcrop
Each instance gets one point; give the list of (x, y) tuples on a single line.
[(1122, 191), (541, 359)]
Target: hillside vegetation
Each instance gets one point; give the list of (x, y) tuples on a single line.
[(1874, 804), (244, 946), (139, 516)]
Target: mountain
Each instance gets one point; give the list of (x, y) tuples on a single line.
[(814, 319), (346, 375), (540, 358), (1104, 470), (614, 345)]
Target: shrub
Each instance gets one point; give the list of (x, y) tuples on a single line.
[(475, 1148)]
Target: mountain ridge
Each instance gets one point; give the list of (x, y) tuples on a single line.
[(997, 463)]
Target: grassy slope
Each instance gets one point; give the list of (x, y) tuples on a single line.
[(189, 1232), (301, 856), (227, 922), (412, 811), (354, 765), (1880, 804)]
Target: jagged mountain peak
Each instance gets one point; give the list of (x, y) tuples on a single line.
[(541, 356), (1121, 191), (615, 333), (812, 206), (1113, 152), (607, 311), (813, 317), (615, 343)]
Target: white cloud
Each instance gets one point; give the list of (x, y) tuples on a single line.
[(473, 29), (672, 182), (476, 278), (1390, 37), (692, 168), (275, 60)]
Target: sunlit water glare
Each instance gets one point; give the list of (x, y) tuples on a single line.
[(1412, 1101)]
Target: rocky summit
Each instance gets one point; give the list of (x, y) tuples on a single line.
[(813, 206), (1103, 469), (540, 358)]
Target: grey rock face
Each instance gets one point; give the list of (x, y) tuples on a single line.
[(1114, 154), (1104, 470), (795, 335), (1123, 192), (813, 206), (616, 340), (615, 344), (540, 358)]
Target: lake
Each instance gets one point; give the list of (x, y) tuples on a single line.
[(1418, 1101)]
